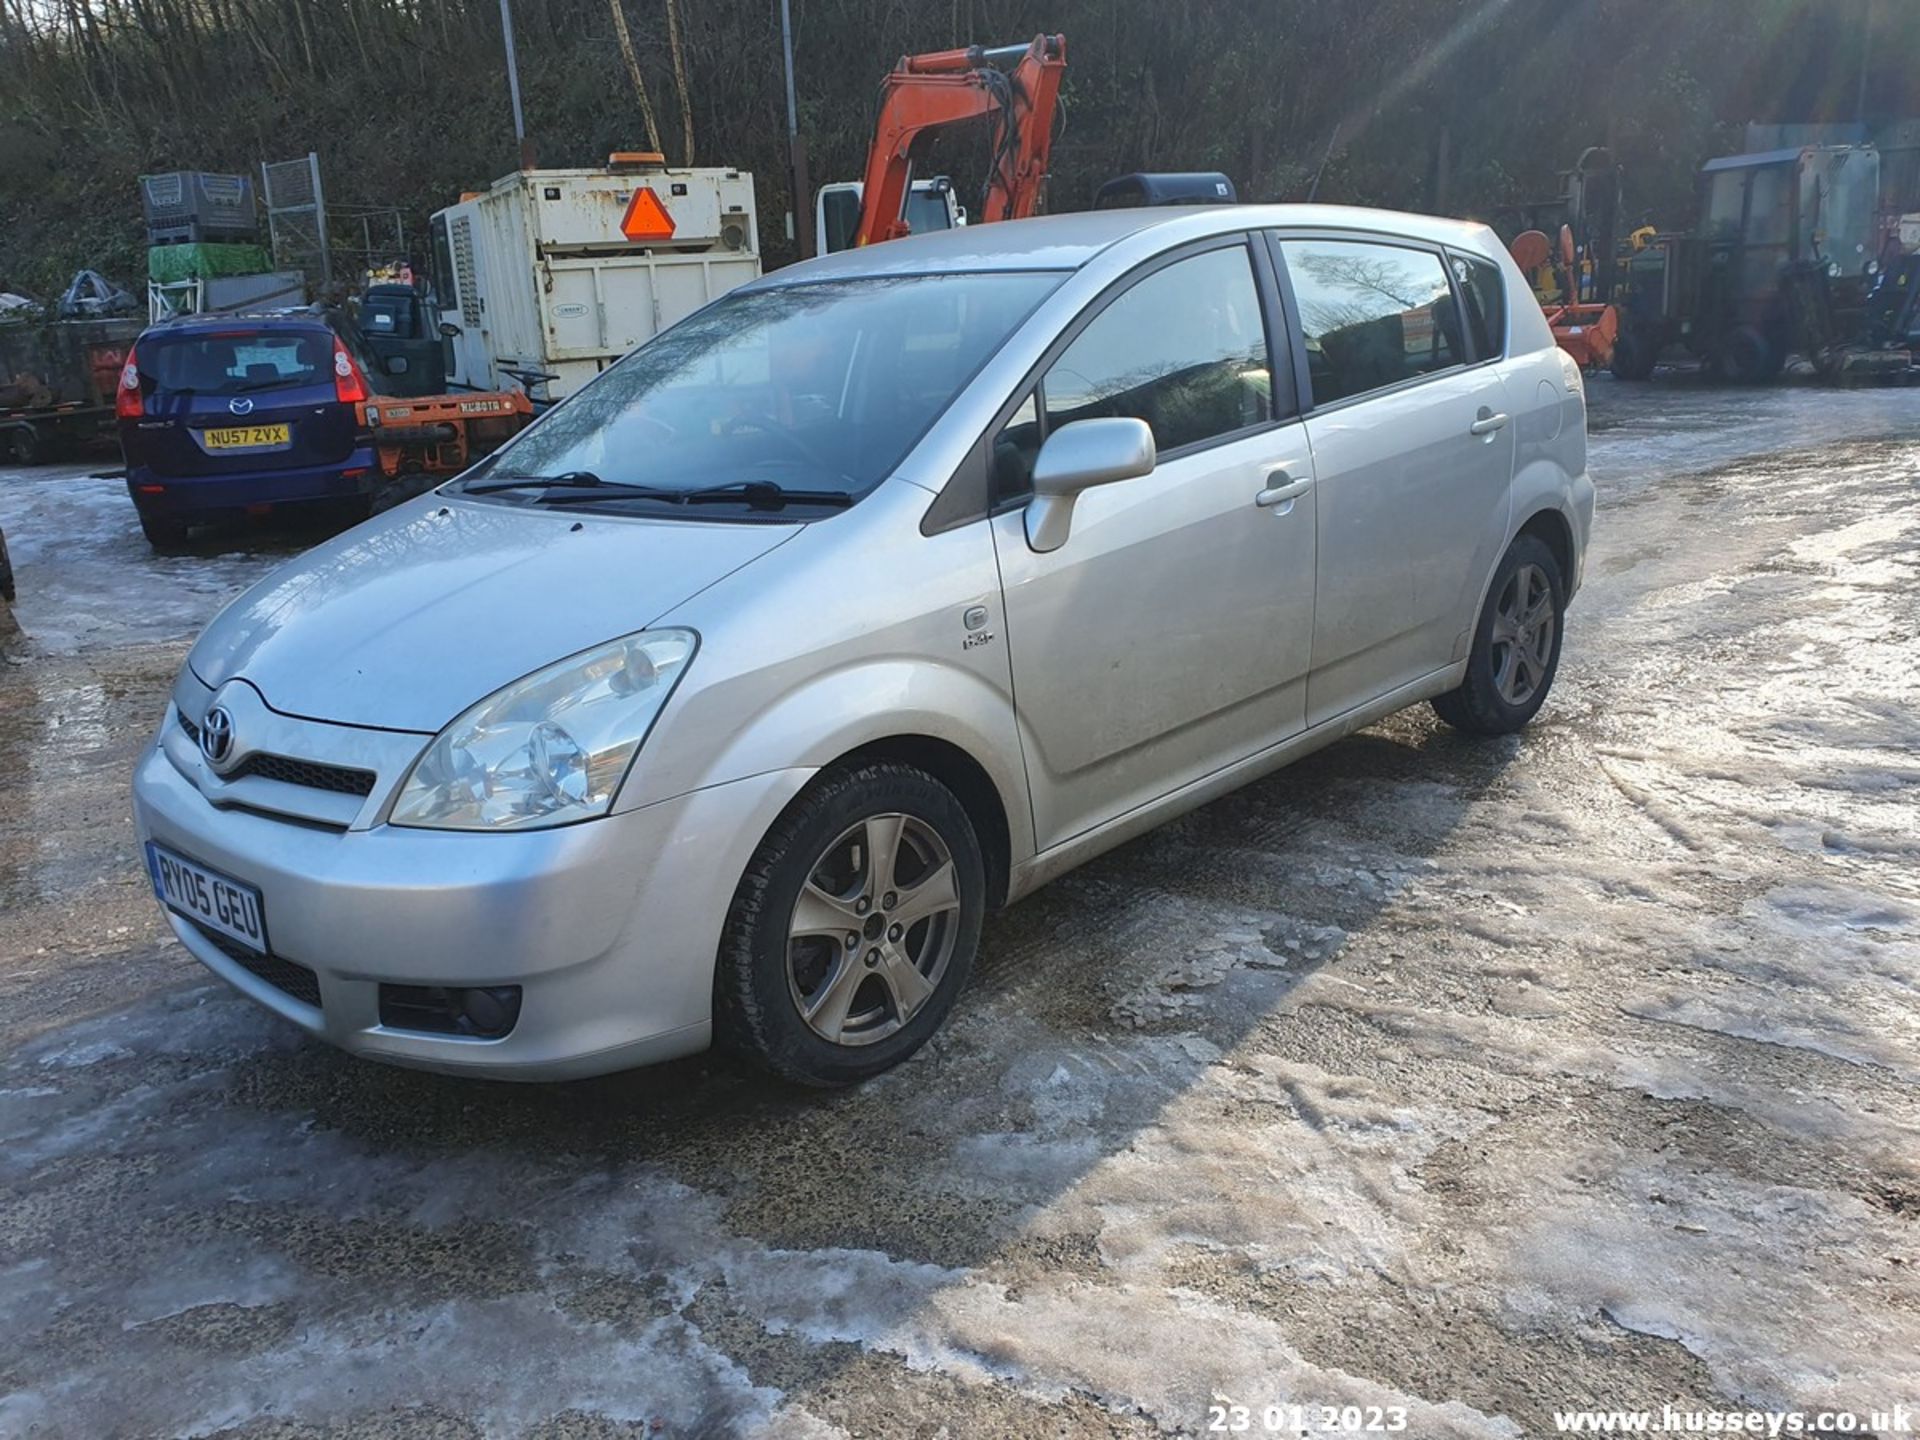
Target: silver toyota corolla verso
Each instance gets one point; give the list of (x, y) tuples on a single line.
[(725, 701)]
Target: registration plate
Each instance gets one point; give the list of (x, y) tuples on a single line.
[(246, 437), (216, 901)]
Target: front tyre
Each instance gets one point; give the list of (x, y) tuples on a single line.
[(1516, 645), (854, 927)]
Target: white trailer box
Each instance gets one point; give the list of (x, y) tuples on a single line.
[(543, 274)]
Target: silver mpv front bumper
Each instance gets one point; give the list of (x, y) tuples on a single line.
[(609, 927)]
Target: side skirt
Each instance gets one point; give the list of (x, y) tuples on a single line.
[(1068, 854)]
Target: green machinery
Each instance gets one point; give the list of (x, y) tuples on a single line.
[(1785, 258)]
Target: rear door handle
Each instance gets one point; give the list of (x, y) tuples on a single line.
[(1487, 424)]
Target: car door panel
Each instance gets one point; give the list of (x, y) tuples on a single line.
[(1171, 634), (1413, 453), (1168, 637), (1412, 508)]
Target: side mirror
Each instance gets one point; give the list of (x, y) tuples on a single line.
[(396, 365), (448, 330), (1078, 457)]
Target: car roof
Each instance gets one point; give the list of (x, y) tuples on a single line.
[(1067, 242), (303, 318)]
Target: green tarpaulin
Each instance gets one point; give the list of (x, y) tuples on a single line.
[(167, 263)]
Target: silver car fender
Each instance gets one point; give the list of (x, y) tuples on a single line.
[(883, 634), (1539, 488)]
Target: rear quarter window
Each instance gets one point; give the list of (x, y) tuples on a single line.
[(1483, 289)]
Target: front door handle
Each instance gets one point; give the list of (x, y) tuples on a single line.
[(1487, 423), (1280, 490)]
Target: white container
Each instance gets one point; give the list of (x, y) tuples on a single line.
[(536, 275)]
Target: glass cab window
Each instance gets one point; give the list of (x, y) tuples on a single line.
[(1373, 314)]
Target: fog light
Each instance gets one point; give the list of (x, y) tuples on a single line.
[(491, 1011), (479, 1012)]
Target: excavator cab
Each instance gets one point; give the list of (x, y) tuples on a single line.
[(1013, 88), (931, 205)]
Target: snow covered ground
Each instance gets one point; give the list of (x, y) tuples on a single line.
[(1580, 1070)]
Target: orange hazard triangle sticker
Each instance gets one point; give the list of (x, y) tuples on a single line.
[(646, 217)]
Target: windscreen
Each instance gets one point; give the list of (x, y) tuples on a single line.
[(240, 362), (927, 211), (821, 387)]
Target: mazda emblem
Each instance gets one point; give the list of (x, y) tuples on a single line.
[(216, 736), (240, 406)]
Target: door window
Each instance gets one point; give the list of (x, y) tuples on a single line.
[(442, 265), (1185, 350), (1374, 314)]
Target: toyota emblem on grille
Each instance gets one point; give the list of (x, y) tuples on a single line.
[(216, 736), (241, 406)]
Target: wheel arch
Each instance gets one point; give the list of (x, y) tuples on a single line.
[(945, 718), (970, 783), (1552, 529), (1547, 513)]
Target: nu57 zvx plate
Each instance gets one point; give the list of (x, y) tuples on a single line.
[(246, 437)]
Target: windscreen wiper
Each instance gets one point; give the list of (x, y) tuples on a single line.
[(583, 487), (568, 480), (767, 495)]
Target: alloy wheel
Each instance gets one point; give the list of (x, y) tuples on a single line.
[(873, 929), (1522, 637)]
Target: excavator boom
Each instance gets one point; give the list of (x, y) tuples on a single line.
[(927, 92)]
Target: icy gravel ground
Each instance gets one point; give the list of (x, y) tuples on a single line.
[(1575, 1070), (89, 580)]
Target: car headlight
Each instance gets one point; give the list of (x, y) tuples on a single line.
[(549, 749)]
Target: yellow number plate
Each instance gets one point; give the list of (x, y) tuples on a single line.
[(245, 437)]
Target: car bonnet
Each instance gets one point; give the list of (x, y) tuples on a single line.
[(406, 621)]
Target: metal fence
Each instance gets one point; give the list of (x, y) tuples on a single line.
[(335, 242), (297, 216)]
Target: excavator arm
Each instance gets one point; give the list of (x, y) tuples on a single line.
[(926, 92)]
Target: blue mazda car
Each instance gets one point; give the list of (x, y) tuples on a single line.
[(224, 415)]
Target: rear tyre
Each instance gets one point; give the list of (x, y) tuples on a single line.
[(164, 535), (1634, 356), (853, 929), (1516, 645), (1746, 357), (28, 445)]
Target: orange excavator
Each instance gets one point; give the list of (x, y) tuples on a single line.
[(928, 92)]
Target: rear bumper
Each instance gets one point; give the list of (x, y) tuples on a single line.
[(181, 495), (1583, 501)]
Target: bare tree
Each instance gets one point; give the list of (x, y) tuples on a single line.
[(639, 81)]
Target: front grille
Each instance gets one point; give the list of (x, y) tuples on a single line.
[(337, 778), (295, 980)]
